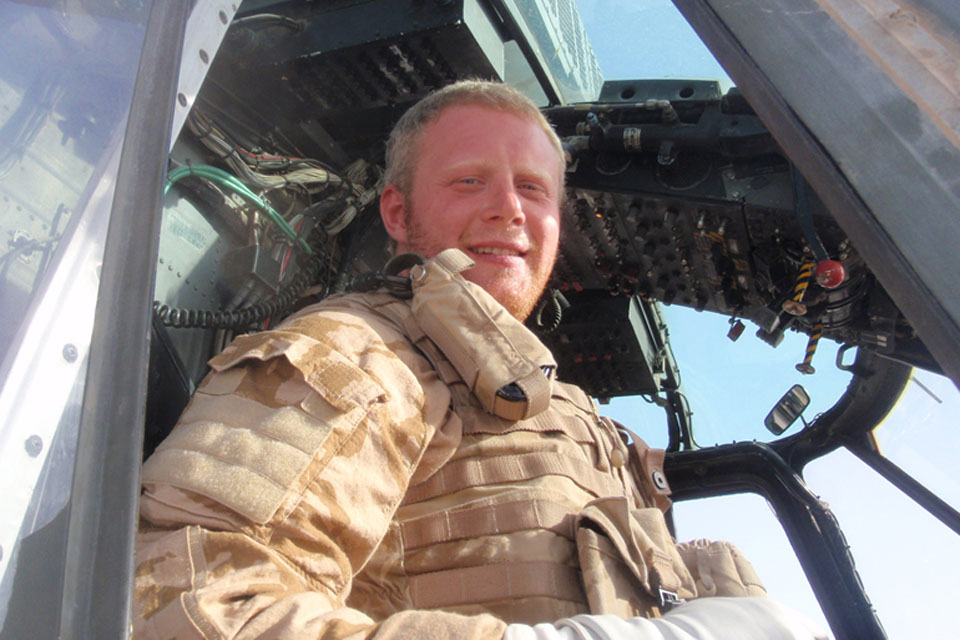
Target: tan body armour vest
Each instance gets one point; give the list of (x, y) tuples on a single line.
[(532, 519), (297, 478)]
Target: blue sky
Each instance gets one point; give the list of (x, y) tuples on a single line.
[(901, 551)]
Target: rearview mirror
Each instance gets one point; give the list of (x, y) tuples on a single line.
[(787, 410)]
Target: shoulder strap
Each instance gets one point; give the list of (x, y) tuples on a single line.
[(646, 465)]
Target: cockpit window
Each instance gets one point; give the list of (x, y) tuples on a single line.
[(921, 437), (730, 386), (58, 113), (67, 71)]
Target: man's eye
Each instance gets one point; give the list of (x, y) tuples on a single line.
[(468, 181), (531, 186)]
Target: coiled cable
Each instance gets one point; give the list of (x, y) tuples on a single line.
[(245, 316), (553, 303)]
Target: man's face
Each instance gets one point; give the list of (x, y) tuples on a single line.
[(486, 182)]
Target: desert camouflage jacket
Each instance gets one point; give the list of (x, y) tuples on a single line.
[(334, 478)]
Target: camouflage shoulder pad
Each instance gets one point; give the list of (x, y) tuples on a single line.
[(250, 433), (327, 371)]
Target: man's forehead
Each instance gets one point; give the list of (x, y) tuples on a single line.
[(451, 130), (468, 111)]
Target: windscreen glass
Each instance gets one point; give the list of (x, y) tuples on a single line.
[(921, 437), (67, 70), (65, 81)]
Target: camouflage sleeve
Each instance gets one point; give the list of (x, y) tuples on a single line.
[(280, 482)]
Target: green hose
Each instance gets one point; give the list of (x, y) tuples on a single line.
[(229, 181)]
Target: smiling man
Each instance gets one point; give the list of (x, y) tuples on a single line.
[(377, 466), (483, 178)]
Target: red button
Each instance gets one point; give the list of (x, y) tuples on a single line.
[(830, 274)]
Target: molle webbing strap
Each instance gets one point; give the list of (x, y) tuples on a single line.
[(476, 472), (454, 260), (488, 520), (490, 582), (445, 371), (570, 425)]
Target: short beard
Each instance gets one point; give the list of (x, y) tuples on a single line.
[(519, 306)]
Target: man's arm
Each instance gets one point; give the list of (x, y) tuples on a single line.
[(281, 480), (703, 619)]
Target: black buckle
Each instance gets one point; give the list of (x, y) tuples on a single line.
[(669, 600), (395, 285)]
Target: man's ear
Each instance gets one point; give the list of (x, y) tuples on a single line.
[(393, 210)]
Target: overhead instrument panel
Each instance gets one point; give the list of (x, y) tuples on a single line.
[(677, 193)]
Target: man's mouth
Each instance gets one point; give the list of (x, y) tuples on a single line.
[(496, 251)]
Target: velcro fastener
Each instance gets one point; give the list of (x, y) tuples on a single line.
[(338, 380), (476, 421)]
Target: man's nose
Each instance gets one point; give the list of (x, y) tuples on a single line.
[(505, 205)]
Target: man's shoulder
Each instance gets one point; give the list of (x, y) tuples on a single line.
[(352, 327), (352, 321)]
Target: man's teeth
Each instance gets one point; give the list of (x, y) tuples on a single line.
[(494, 251)]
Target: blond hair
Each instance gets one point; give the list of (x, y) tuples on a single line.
[(403, 145)]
